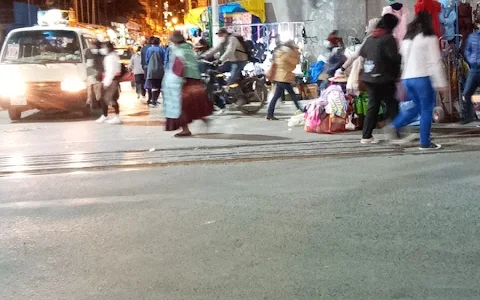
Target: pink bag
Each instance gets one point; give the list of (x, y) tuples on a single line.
[(312, 117)]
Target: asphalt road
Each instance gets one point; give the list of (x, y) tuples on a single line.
[(402, 227)]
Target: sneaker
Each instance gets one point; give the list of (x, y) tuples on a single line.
[(371, 140), (431, 147), (115, 120), (272, 119), (466, 121), (405, 140), (220, 112), (101, 120)]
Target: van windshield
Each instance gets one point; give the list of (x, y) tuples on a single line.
[(37, 46)]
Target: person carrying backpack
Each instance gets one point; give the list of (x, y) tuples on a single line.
[(155, 71), (233, 54)]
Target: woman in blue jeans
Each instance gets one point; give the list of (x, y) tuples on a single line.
[(422, 76), (286, 58)]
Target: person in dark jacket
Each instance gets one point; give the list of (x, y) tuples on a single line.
[(472, 54), (381, 71), (143, 55), (94, 72)]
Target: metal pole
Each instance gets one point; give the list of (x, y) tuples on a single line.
[(94, 13), (81, 9), (215, 25), (106, 14), (29, 14), (76, 11), (88, 12)]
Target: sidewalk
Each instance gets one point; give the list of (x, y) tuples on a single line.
[(46, 138)]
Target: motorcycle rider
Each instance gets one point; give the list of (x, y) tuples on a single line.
[(233, 55)]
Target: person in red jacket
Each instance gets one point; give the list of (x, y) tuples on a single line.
[(433, 7)]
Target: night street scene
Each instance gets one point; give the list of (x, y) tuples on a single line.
[(239, 150)]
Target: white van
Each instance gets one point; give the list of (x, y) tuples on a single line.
[(44, 68)]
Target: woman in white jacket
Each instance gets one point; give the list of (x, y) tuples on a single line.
[(422, 74)]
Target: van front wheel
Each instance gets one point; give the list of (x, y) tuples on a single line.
[(14, 114)]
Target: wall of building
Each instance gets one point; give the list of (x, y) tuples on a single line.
[(323, 16)]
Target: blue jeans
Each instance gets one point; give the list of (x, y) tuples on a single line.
[(235, 69), (471, 85), (421, 92), (279, 92)]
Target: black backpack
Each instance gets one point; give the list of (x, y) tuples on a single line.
[(249, 48), (123, 70)]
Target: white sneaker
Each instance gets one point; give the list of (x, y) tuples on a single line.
[(220, 112), (101, 120), (431, 147), (371, 140), (115, 120)]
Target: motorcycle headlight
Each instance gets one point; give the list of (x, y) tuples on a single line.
[(12, 87), (73, 85)]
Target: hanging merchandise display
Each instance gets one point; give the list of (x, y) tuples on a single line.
[(465, 22), (400, 11), (476, 13), (448, 19), (434, 8)]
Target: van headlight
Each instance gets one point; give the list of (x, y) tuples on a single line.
[(73, 85), (12, 88)]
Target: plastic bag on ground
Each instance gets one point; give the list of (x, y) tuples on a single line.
[(297, 121)]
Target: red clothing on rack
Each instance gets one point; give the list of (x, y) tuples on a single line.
[(433, 7)]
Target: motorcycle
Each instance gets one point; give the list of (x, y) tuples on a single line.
[(249, 95)]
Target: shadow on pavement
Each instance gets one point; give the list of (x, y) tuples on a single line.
[(457, 130), (56, 116), (240, 137)]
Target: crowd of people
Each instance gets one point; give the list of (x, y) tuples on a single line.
[(172, 71), (412, 64), (411, 67)]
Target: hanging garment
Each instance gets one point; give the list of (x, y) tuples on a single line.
[(465, 23), (448, 17), (433, 8), (476, 13), (401, 12)]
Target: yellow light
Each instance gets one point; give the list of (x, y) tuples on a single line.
[(73, 85), (174, 20)]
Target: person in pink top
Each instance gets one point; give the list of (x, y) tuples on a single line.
[(401, 12)]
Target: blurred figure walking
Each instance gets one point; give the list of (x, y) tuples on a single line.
[(184, 95), (286, 58), (139, 73), (143, 54), (94, 73), (155, 71), (422, 73), (472, 54), (111, 85), (381, 72)]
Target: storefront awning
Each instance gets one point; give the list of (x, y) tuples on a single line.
[(194, 17), (254, 7)]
